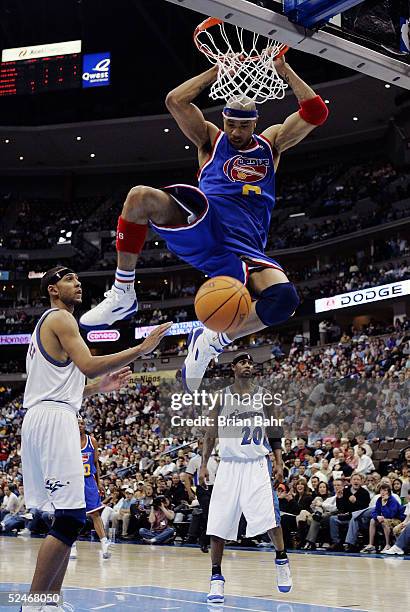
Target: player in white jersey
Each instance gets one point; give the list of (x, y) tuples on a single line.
[(58, 361), (243, 483)]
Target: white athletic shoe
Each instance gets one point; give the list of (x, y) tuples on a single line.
[(73, 551), (385, 549), (216, 590), (106, 553), (200, 353), (393, 550), (117, 306), (24, 533), (283, 575)]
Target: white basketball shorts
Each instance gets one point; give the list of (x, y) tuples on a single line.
[(242, 487), (53, 470)]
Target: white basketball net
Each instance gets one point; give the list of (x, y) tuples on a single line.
[(245, 62)]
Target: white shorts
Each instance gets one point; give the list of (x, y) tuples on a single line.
[(242, 487), (53, 470)]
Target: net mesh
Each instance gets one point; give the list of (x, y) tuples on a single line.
[(245, 61)]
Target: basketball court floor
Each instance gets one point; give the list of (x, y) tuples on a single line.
[(157, 578)]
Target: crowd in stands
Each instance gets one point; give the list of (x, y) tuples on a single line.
[(346, 449), (327, 192), (40, 224), (346, 275)]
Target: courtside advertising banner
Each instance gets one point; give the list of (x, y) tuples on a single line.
[(154, 378), (103, 335), (363, 296), (177, 329), (13, 339)]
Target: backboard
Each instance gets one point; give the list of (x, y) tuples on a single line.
[(371, 37)]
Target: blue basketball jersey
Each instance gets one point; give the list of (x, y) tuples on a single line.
[(88, 455), (240, 187)]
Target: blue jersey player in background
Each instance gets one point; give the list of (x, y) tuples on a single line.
[(92, 488), (222, 227)]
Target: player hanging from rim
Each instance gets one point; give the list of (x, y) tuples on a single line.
[(58, 360), (222, 227), (243, 481), (92, 488)]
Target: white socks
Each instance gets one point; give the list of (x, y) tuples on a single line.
[(124, 280), (218, 340)]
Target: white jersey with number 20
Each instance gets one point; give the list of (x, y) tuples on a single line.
[(241, 429)]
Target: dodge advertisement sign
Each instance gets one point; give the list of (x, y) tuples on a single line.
[(363, 296)]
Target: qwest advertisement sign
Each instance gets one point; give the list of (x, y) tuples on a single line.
[(363, 296), (177, 329), (13, 339), (96, 69)]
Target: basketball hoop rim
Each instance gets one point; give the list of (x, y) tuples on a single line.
[(210, 22)]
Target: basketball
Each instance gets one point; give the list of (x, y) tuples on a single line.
[(222, 303)]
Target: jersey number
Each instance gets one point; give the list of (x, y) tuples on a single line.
[(256, 435), (247, 189), (87, 469), (32, 351)]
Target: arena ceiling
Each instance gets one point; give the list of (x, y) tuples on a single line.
[(361, 108)]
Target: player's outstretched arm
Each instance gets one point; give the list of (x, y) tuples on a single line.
[(109, 382), (312, 113), (189, 117), (65, 327)]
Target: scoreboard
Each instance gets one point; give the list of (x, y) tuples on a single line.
[(51, 67), (41, 74)]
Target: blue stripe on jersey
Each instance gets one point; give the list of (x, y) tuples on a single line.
[(60, 364), (240, 186), (274, 494)]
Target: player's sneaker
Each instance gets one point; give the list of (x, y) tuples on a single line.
[(283, 575), (216, 590), (73, 551), (368, 549), (106, 553), (393, 550), (203, 345), (118, 305), (24, 533)]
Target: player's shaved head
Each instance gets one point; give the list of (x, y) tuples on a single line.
[(241, 103)]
